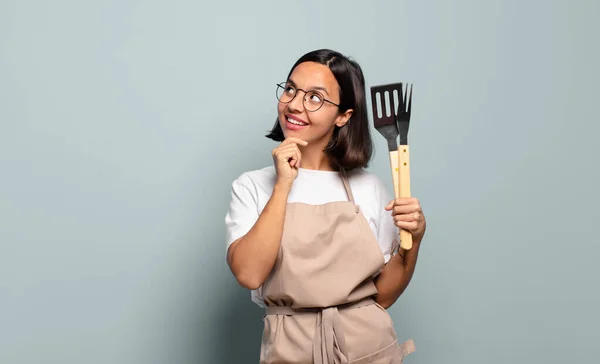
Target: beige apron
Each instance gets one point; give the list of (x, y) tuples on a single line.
[(319, 296)]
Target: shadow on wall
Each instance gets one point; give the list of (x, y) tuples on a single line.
[(239, 335)]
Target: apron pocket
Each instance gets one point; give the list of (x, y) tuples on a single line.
[(368, 330), (388, 355)]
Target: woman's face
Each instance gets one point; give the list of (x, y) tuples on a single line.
[(315, 127)]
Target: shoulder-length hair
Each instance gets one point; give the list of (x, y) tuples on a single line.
[(350, 146)]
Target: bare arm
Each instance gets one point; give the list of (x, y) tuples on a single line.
[(396, 275), (251, 258)]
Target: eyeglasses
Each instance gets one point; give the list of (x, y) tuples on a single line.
[(313, 100)]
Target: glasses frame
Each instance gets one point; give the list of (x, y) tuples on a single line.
[(282, 84)]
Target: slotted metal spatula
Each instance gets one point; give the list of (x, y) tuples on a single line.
[(403, 122), (391, 123)]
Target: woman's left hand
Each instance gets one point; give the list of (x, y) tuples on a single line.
[(408, 215)]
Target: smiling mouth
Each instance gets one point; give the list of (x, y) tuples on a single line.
[(296, 122)]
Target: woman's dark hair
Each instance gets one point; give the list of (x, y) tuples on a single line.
[(350, 146)]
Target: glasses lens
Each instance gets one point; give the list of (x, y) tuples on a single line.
[(285, 93), (313, 101)]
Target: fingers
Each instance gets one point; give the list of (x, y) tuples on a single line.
[(287, 158), (409, 222), (411, 226), (405, 209), (401, 201), (406, 201), (289, 153), (404, 205), (412, 217), (406, 213), (294, 140), (295, 158), (390, 205)]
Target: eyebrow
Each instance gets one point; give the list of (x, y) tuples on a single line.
[(311, 88)]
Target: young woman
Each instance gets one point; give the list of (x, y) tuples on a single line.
[(315, 236)]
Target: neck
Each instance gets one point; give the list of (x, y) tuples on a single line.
[(315, 159)]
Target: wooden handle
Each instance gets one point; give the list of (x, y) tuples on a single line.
[(404, 189), (394, 168)]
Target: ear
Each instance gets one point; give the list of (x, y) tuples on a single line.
[(342, 119)]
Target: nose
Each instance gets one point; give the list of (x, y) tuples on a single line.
[(297, 103)]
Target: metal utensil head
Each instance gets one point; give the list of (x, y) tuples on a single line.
[(386, 122), (403, 114)]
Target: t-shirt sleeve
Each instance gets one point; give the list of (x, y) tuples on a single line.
[(387, 232), (243, 209)]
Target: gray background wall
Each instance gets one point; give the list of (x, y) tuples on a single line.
[(124, 122)]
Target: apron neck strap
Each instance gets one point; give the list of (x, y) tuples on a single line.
[(347, 185)]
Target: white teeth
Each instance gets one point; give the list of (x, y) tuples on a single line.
[(296, 122)]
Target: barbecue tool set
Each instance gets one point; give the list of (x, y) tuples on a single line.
[(392, 123)]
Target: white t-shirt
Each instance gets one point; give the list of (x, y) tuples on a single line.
[(251, 192)]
